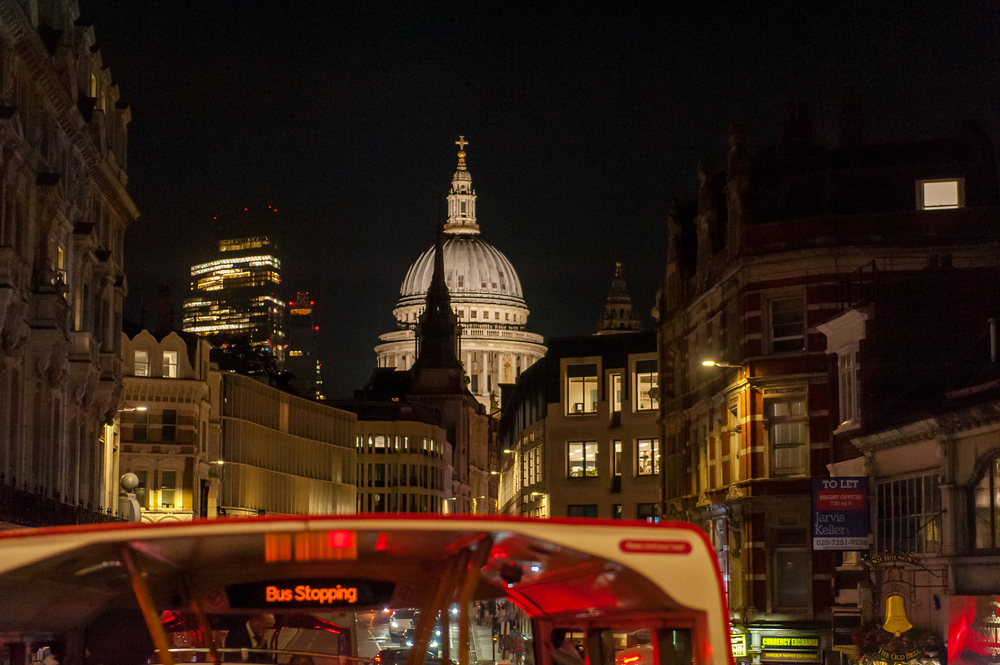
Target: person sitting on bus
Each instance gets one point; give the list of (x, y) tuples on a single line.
[(252, 634), (562, 651)]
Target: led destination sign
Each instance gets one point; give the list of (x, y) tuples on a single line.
[(298, 593)]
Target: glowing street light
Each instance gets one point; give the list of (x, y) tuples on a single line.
[(716, 363)]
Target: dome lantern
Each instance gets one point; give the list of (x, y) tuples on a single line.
[(461, 198)]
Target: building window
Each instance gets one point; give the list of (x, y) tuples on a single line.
[(792, 580), (141, 363), (168, 489), (676, 467), (788, 325), (645, 385), (616, 393), (648, 457), (908, 515), (645, 511), (850, 369), (583, 510), (616, 511), (168, 431), (986, 508), (170, 364), (789, 436), (940, 194), (616, 460), (140, 425), (581, 389), (582, 459), (473, 313)]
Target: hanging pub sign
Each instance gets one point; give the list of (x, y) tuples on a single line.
[(840, 513)]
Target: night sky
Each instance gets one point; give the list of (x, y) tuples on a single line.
[(583, 122)]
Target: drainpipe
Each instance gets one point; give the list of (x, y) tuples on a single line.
[(993, 340)]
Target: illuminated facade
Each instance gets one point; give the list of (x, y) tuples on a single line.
[(579, 434), (210, 443), (495, 345), (302, 353), (235, 294), (63, 213), (170, 426)]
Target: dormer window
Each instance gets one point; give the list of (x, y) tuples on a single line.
[(941, 194)]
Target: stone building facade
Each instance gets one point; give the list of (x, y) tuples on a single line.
[(578, 433), (209, 443), (774, 247), (63, 213)]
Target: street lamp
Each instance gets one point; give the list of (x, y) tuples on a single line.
[(716, 363)]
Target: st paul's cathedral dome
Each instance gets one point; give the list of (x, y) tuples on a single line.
[(486, 296)]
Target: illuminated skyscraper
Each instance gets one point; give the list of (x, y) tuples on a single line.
[(235, 294), (301, 357)]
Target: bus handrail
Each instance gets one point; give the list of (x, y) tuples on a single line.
[(272, 652)]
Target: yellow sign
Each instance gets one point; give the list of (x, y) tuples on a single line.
[(739, 643), (789, 642), (792, 656)]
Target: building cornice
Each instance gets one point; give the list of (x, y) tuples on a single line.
[(929, 429)]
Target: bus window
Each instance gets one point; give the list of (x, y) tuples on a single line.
[(676, 647)]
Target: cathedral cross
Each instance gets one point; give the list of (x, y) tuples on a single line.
[(461, 143)]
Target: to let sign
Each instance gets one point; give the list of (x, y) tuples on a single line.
[(840, 513)]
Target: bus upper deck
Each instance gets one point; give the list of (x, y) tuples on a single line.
[(591, 578)]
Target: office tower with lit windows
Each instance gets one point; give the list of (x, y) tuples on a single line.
[(235, 295), (301, 355)]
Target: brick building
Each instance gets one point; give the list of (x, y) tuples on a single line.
[(775, 246)]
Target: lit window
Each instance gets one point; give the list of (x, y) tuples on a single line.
[(582, 459), (141, 363), (648, 458), (168, 489), (788, 330), (940, 194), (985, 507), (170, 364), (908, 515), (616, 392), (850, 371), (789, 435), (645, 384), (294, 354), (581, 388)]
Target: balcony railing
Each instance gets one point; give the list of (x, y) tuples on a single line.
[(37, 507)]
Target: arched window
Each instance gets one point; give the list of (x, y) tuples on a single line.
[(986, 507)]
